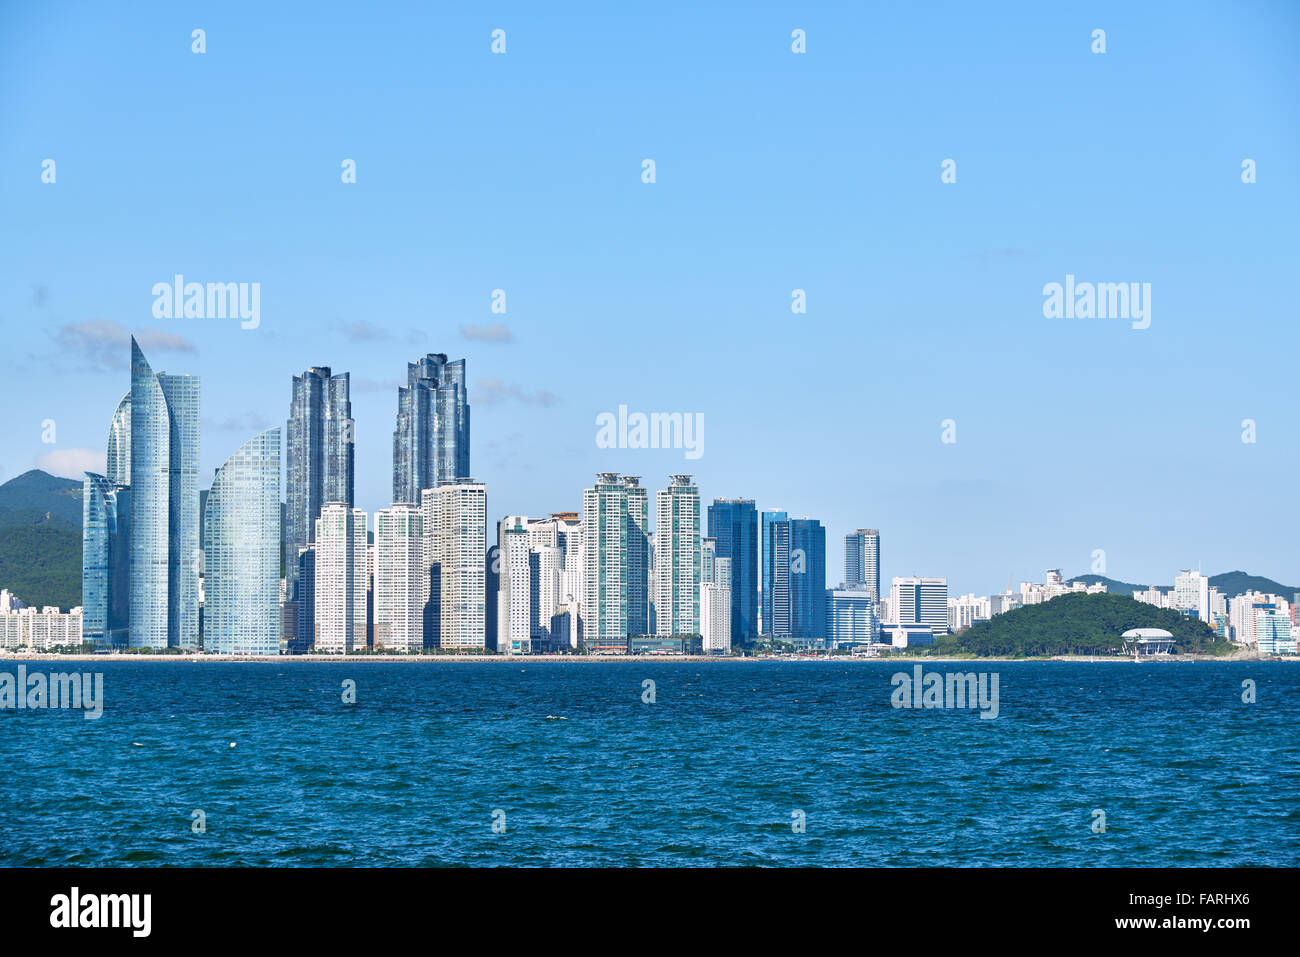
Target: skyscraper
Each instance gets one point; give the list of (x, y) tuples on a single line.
[(862, 561), (733, 524), (431, 441), (118, 471), (339, 554), (241, 613), (514, 592), (105, 561), (455, 535), (677, 558), (319, 458), (605, 578), (164, 550), (798, 579), (401, 579), (638, 557), (715, 609), (767, 625)]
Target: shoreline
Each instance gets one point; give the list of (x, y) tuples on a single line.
[(5, 658)]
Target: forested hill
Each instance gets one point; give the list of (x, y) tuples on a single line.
[(1078, 624)]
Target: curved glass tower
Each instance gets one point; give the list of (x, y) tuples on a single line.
[(119, 444), (105, 570), (242, 532), (164, 530)]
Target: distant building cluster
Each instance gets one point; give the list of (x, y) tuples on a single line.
[(233, 569), (48, 629), (1269, 623)]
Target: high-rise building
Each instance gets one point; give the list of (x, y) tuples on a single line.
[(605, 588), (733, 524), (118, 471), (768, 623), (862, 560), (798, 579), (715, 609), (514, 589), (401, 579), (1192, 593), (677, 558), (241, 612), (319, 457), (455, 535), (105, 560), (920, 601), (164, 531), (639, 559), (431, 441), (339, 553)]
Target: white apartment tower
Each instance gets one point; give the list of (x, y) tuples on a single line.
[(677, 558), (605, 571), (340, 587), (401, 579), (455, 537)]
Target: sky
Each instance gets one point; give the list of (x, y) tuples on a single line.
[(774, 171)]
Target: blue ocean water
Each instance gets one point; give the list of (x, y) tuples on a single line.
[(711, 773)]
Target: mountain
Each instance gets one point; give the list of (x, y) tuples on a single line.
[(40, 539), (1078, 624), (36, 497), (1229, 584), (1233, 584)]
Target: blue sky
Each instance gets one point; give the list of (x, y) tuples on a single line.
[(775, 171)]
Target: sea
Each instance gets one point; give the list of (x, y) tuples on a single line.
[(647, 763)]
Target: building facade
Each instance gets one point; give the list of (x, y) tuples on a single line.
[(339, 554), (241, 614), (677, 558), (431, 440), (733, 525)]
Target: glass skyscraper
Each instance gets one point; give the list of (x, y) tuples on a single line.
[(733, 524), (105, 561), (319, 462), (242, 532), (431, 441), (768, 521), (638, 557), (795, 575), (164, 530), (119, 444)]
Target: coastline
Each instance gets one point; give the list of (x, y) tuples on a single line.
[(5, 658)]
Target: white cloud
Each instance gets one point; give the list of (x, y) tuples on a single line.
[(72, 463)]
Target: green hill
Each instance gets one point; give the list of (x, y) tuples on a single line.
[(40, 539), (41, 564), (35, 497), (1078, 624)]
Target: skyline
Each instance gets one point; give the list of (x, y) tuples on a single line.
[(924, 298)]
